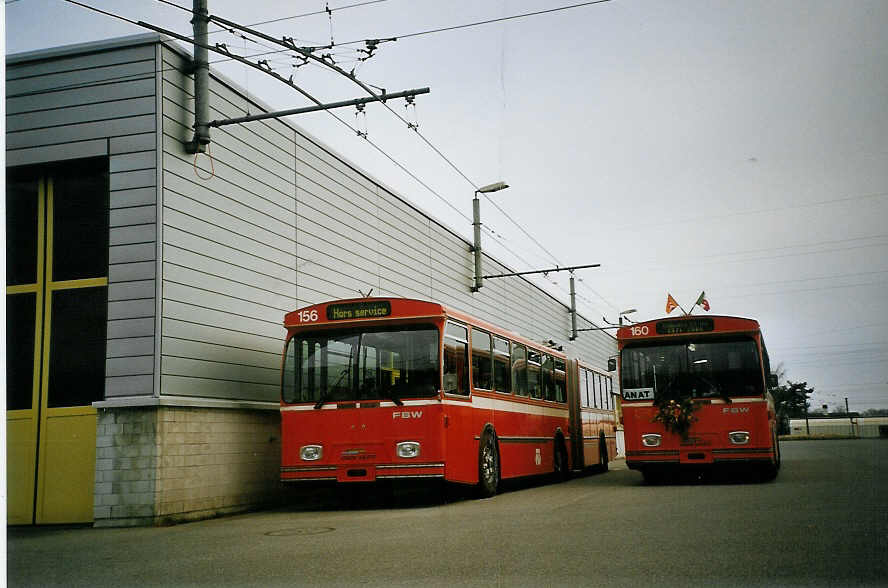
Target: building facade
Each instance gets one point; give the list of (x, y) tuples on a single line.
[(146, 291)]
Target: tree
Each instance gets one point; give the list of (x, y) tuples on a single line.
[(790, 401)]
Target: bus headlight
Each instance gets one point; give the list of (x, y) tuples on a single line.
[(311, 452), (739, 437), (408, 449), (651, 440)]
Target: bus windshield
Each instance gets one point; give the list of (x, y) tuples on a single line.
[(695, 369), (363, 364)]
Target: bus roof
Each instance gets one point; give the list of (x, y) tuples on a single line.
[(344, 313), (683, 326)]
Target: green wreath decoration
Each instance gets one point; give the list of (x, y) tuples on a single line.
[(677, 416)]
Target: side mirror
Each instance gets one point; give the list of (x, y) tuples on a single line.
[(611, 364), (772, 381)]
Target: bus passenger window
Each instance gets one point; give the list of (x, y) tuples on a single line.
[(501, 379), (456, 360), (481, 361), (547, 368), (534, 381), (519, 370), (584, 389), (594, 377), (560, 383)]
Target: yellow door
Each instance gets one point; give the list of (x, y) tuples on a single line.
[(56, 308)]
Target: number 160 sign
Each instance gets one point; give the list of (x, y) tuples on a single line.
[(641, 331)]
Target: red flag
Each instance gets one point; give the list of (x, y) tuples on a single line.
[(671, 304), (701, 301)]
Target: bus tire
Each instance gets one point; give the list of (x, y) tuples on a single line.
[(602, 453), (560, 468), (488, 465)]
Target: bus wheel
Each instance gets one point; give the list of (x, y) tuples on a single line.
[(559, 460), (488, 465), (602, 453)]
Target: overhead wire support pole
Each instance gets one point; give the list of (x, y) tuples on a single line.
[(305, 109), (201, 139)]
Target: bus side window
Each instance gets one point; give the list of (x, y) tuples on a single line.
[(519, 370), (481, 360), (608, 392), (560, 382), (456, 360), (548, 368), (585, 389), (534, 383), (594, 377), (501, 377)]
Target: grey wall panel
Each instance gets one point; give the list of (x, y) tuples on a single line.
[(176, 385), (263, 286), (129, 366), (236, 226), (224, 286), (51, 153), (130, 309), (241, 242), (80, 77), (221, 303), (138, 346), (201, 315), (75, 114), (135, 215), (199, 368), (73, 63), (127, 328), (242, 205), (221, 252), (134, 197), (130, 272), (131, 143), (223, 354), (131, 290), (174, 329), (132, 253), (120, 90), (118, 387), (134, 161), (129, 180), (81, 132)]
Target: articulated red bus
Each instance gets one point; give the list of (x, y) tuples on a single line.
[(695, 392), (380, 388)]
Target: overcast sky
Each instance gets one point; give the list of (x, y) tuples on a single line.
[(739, 148)]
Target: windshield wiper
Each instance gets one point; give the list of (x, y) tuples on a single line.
[(326, 394)]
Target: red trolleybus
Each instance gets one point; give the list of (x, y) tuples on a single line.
[(380, 388), (695, 392)]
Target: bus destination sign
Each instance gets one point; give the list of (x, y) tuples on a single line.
[(691, 325), (359, 310)]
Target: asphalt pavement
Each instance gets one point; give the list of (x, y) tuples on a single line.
[(824, 521)]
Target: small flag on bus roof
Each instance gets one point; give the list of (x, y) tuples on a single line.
[(701, 301), (671, 304)]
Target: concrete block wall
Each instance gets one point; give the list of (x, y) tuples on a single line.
[(161, 465)]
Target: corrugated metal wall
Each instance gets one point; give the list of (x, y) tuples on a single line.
[(285, 223), (281, 223), (102, 103)]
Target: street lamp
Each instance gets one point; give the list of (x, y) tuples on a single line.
[(476, 223)]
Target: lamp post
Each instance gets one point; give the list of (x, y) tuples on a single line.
[(476, 224)]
